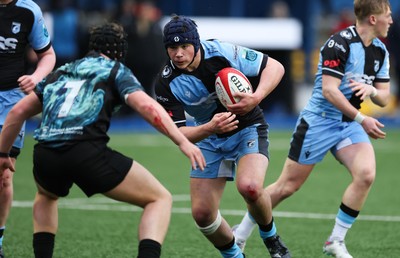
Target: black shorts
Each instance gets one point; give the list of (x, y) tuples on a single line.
[(92, 166)]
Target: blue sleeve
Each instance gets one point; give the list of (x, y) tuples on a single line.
[(383, 73), (39, 37), (246, 60)]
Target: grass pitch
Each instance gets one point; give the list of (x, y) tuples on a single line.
[(99, 227)]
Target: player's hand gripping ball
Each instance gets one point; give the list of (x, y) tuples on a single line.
[(229, 81)]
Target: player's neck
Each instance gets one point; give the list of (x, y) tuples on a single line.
[(5, 1), (365, 33)]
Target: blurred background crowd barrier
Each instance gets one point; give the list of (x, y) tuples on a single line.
[(290, 31)]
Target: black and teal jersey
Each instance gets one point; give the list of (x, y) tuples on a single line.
[(181, 92), (345, 57), (21, 24), (80, 97)]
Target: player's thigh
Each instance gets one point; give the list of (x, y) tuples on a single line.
[(358, 158), (294, 173), (252, 169), (139, 187), (206, 193)]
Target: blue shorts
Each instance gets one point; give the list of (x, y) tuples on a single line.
[(7, 100), (315, 135), (222, 154)]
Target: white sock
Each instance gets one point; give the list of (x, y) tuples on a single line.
[(339, 230), (245, 228)]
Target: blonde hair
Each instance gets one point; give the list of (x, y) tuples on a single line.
[(364, 8)]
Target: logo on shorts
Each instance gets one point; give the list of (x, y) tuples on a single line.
[(307, 154), (251, 143)]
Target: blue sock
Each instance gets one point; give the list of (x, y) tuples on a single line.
[(345, 217), (269, 233), (231, 250), (1, 235)]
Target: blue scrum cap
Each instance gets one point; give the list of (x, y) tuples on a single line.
[(181, 30)]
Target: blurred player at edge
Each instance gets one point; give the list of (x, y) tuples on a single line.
[(353, 65), (21, 24)]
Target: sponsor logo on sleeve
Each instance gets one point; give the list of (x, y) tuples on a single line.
[(346, 34), (331, 63), (161, 98), (332, 43), (249, 55)]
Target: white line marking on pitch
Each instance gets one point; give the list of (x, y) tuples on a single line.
[(106, 204)]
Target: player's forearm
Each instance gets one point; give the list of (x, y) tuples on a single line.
[(336, 97), (45, 65), (270, 78), (382, 97), (9, 133), (156, 115), (160, 119), (196, 133)]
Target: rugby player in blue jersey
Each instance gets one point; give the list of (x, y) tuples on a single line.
[(353, 65), (77, 102), (234, 141), (21, 25)]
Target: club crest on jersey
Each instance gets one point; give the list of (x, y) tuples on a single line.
[(376, 65), (166, 72), (45, 31), (249, 55), (15, 27)]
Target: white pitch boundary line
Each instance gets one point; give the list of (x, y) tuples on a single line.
[(106, 204)]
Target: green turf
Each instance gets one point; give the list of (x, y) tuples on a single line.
[(92, 229)]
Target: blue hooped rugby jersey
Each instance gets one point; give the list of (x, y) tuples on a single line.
[(80, 97), (194, 92), (345, 57), (21, 23)]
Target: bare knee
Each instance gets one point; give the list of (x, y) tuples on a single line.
[(366, 178), (202, 215), (251, 191), (210, 227), (167, 198), (162, 199), (6, 182)]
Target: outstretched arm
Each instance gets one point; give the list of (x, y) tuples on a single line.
[(155, 114), (24, 109)]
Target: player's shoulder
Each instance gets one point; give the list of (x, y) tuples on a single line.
[(342, 40), (378, 43), (29, 4), (346, 36), (213, 47)]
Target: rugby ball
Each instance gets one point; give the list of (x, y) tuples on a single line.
[(228, 81)]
